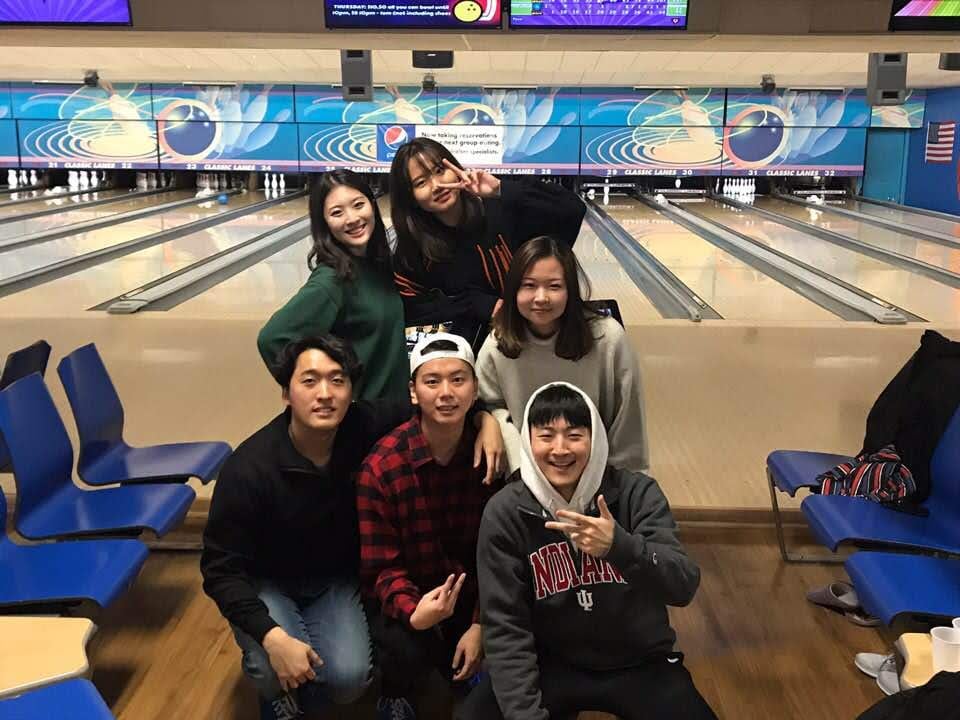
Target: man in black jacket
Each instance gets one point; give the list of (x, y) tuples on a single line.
[(577, 561), (281, 546)]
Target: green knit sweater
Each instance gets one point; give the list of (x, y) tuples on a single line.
[(367, 311)]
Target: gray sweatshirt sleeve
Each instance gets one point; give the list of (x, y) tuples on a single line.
[(492, 395), (507, 620), (646, 548), (623, 396)]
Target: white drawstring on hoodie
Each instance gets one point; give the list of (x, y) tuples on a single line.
[(589, 483)]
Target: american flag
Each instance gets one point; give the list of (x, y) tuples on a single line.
[(940, 138)]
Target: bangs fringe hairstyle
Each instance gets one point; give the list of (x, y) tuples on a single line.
[(329, 251), (574, 339), (559, 402), (421, 238)]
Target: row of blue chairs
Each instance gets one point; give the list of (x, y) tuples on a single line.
[(909, 562), (81, 561)]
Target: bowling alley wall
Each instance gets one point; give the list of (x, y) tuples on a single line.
[(930, 184), (605, 131)]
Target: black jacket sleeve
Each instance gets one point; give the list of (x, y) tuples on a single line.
[(507, 616), (228, 547), (646, 548), (539, 208)]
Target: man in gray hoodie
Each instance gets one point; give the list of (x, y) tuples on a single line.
[(577, 561)]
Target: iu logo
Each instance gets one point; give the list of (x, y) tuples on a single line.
[(585, 599)]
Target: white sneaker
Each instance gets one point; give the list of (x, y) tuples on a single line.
[(870, 663), (881, 667)]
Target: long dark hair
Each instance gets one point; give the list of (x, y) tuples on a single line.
[(329, 251), (575, 336), (421, 238)]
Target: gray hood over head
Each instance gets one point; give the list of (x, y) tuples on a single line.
[(589, 484)]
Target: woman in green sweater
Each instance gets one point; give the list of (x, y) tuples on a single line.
[(350, 292)]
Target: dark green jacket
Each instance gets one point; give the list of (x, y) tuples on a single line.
[(367, 311)]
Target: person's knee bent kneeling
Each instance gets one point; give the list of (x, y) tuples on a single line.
[(347, 679)]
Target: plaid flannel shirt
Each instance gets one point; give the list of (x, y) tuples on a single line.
[(401, 553)]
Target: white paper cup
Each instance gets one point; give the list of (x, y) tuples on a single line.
[(946, 649), (956, 623)]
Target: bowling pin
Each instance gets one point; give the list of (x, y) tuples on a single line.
[(83, 181), (33, 177), (12, 179), (24, 181), (73, 181), (283, 183), (677, 183), (94, 180)]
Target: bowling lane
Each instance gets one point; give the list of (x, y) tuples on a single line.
[(7, 195), (257, 291), (31, 257), (107, 280), (609, 281), (732, 288), (925, 250), (917, 220), (44, 202), (74, 212), (921, 295)]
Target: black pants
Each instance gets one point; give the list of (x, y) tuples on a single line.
[(406, 656), (658, 690)]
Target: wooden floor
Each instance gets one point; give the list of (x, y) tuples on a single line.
[(755, 647)]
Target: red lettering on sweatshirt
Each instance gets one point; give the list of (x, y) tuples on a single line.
[(555, 571), (542, 581), (561, 580)]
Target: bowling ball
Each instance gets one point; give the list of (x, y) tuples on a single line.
[(223, 199), (187, 129), (755, 137), (469, 114)]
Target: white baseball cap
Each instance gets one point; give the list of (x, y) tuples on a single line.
[(463, 351)]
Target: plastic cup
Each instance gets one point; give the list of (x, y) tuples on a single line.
[(946, 649)]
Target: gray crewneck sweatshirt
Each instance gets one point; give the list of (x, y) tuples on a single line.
[(609, 374)]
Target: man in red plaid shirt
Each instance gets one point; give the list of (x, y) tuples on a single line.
[(419, 502)]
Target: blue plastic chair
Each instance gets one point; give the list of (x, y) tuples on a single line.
[(66, 573), (893, 584), (49, 505), (835, 520), (105, 459), (19, 364), (74, 699), (790, 471)]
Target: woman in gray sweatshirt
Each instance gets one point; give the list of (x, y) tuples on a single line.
[(577, 561), (546, 330)]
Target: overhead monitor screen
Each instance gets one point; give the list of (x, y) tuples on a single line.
[(599, 14), (925, 15), (65, 12), (413, 14)]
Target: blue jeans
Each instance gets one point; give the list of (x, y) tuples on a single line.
[(327, 616)]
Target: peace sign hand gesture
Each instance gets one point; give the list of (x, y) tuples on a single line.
[(476, 182), (592, 535)]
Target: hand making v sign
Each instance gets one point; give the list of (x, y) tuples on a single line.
[(476, 182), (592, 535)]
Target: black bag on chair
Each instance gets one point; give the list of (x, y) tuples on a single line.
[(916, 406), (939, 699)]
